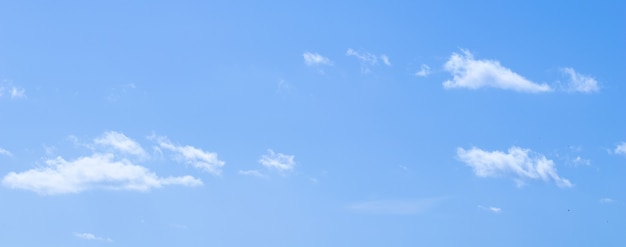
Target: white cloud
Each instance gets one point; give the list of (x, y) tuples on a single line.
[(254, 173), (193, 156), (470, 73), (313, 59), (121, 143), (5, 152), (606, 200), (90, 236), (424, 71), (367, 59), (98, 171), (580, 83), (394, 207), (519, 162), (621, 148), (495, 210), (277, 161)]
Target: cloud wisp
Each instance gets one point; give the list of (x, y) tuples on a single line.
[(495, 210), (121, 143), (198, 158), (579, 82), (470, 73), (315, 59), (522, 164), (107, 169), (278, 161), (254, 173), (91, 236), (367, 59), (14, 92), (5, 152)]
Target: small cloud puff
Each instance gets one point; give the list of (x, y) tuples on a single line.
[(313, 59)]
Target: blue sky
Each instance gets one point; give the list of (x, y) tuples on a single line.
[(395, 123)]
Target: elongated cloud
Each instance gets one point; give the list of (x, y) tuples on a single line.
[(193, 156), (517, 162), (98, 171), (91, 236), (313, 59), (121, 143), (579, 82), (471, 73), (278, 161)]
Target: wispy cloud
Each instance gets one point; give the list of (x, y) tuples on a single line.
[(494, 210), (278, 161), (385, 59), (193, 156), (580, 161), (579, 82), (90, 236), (424, 71), (120, 142), (518, 162), (5, 152), (314, 59), (254, 173), (472, 73), (606, 200), (7, 87), (98, 171), (368, 59), (394, 207), (621, 148)]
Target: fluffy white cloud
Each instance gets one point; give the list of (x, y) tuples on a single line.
[(367, 59), (121, 142), (90, 236), (580, 83), (312, 59), (98, 171), (519, 162), (471, 73), (424, 71), (5, 152), (193, 156), (277, 161), (621, 148), (397, 207)]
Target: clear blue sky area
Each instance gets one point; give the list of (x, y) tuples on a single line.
[(312, 123)]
